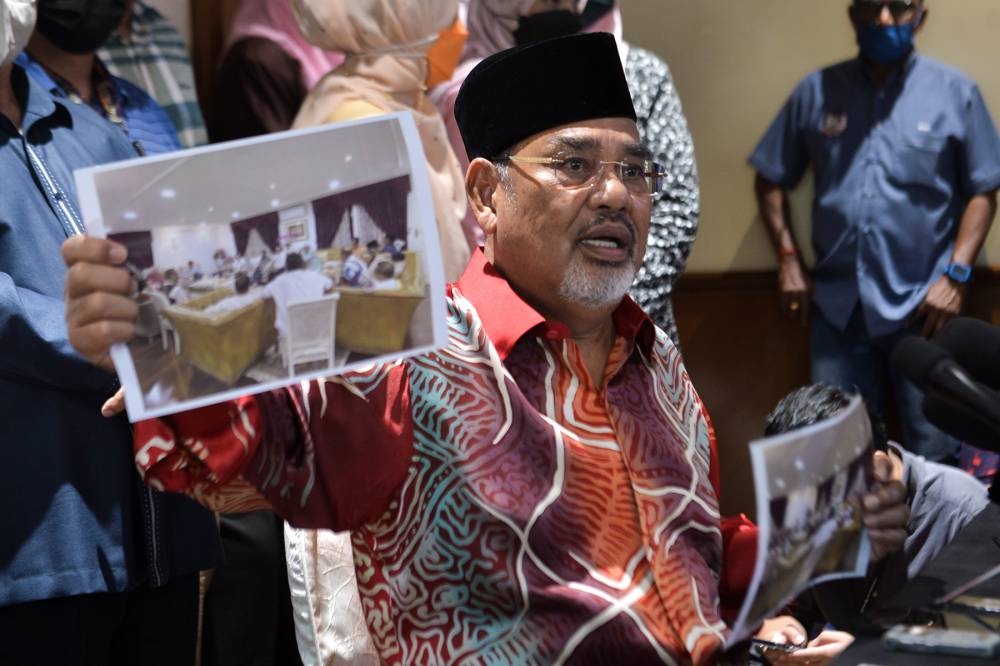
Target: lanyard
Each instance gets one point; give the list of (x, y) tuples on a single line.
[(62, 203)]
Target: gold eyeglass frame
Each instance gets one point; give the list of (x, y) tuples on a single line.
[(659, 175)]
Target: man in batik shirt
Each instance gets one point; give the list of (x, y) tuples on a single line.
[(536, 492)]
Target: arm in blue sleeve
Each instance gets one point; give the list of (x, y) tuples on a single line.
[(36, 347), (981, 171), (781, 156)]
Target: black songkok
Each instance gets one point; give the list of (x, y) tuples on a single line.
[(522, 91)]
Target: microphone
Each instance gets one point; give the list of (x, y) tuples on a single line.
[(975, 345), (953, 401)]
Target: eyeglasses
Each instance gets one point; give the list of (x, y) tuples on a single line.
[(639, 177), (900, 10)]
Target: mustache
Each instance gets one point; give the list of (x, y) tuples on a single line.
[(618, 217)]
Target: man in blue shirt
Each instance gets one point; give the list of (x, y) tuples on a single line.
[(90, 559), (906, 162), (61, 55)]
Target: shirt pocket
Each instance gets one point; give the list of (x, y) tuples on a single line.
[(919, 158)]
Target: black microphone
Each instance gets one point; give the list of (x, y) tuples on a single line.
[(975, 345), (953, 401)]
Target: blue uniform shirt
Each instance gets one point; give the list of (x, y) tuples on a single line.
[(74, 516), (894, 168), (146, 123)]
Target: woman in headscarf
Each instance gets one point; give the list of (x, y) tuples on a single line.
[(386, 43), (266, 72), (494, 25)]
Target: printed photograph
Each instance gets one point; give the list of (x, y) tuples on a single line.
[(808, 484), (262, 263)]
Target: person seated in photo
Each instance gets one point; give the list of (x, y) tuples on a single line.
[(191, 271), (223, 262), (277, 265), (395, 247), (355, 273), (371, 251), (242, 298), (295, 284), (384, 277), (175, 288)]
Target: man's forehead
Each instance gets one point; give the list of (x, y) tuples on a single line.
[(603, 133)]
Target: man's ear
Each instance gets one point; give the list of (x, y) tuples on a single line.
[(482, 184), (923, 18)]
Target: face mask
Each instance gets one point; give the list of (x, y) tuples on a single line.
[(445, 54), (79, 26), (547, 25), (885, 44), (17, 20)]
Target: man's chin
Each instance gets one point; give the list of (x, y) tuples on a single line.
[(597, 284)]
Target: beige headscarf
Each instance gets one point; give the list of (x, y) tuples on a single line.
[(386, 44)]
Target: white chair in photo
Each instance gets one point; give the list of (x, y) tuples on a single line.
[(161, 303), (312, 326)]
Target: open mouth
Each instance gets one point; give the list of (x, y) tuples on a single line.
[(608, 242), (612, 243)]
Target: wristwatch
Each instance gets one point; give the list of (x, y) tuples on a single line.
[(961, 273)]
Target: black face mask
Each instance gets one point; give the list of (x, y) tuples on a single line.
[(547, 25), (79, 26)]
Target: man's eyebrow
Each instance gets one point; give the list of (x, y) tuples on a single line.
[(639, 151), (575, 142)]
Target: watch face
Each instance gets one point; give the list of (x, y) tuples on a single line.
[(959, 272)]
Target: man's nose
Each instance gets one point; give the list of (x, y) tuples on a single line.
[(610, 187), (885, 16)]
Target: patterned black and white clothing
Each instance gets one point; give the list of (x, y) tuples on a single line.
[(663, 128)]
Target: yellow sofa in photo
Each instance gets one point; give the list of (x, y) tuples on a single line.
[(377, 322), (223, 345)]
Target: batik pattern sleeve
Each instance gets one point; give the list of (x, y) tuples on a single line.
[(329, 453), (674, 221)]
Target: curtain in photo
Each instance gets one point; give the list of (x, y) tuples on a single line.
[(140, 247), (266, 225)]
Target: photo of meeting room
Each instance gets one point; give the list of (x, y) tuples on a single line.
[(809, 482), (281, 268)]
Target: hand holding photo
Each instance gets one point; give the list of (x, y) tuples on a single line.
[(269, 261), (809, 483)]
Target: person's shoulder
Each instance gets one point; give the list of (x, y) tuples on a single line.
[(942, 73), (136, 96), (103, 141), (844, 69), (649, 63)]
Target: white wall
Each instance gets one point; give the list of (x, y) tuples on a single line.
[(173, 247)]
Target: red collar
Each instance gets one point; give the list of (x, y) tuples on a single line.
[(507, 318)]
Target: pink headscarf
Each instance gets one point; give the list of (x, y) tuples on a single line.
[(387, 42), (491, 25), (273, 20)]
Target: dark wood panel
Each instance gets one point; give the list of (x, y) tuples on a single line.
[(210, 24), (743, 355)]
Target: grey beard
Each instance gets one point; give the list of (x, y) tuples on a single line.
[(595, 285)]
